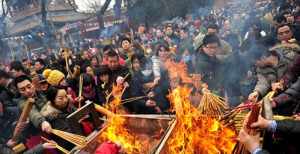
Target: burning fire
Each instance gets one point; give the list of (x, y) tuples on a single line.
[(176, 70), (194, 133), (116, 130), (197, 133)]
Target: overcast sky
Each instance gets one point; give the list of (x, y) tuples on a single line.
[(84, 5)]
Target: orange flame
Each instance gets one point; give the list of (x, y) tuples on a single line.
[(176, 70), (197, 133), (116, 130), (117, 95)]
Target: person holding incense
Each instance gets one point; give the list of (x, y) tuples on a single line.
[(206, 63), (252, 143), (116, 69), (145, 84), (56, 110), (104, 84), (37, 122), (270, 68)]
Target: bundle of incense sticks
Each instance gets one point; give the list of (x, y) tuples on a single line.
[(212, 105), (253, 117), (75, 139)]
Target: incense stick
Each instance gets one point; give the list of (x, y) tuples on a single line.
[(109, 95), (80, 89), (128, 100)]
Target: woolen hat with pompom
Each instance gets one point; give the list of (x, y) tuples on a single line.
[(53, 77)]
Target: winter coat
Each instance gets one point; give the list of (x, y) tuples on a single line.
[(211, 70), (35, 116), (288, 51), (57, 119), (266, 75)]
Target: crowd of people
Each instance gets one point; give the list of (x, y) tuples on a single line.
[(239, 52)]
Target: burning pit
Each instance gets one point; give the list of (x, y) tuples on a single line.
[(136, 133)]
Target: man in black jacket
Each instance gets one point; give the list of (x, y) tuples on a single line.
[(116, 70)]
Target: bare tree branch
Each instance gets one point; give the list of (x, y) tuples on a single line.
[(73, 5)]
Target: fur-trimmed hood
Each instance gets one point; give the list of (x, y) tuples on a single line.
[(287, 46), (49, 111)]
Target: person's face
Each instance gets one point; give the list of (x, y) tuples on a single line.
[(94, 62), (2, 81), (169, 31), (136, 65), (211, 31), (61, 99), (105, 57), (63, 83), (290, 19), (16, 73), (113, 63), (163, 53), (44, 86), (26, 89), (141, 29), (284, 33), (211, 49), (183, 34), (24, 63), (104, 78), (38, 66), (159, 33), (89, 71), (125, 44), (86, 55)]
